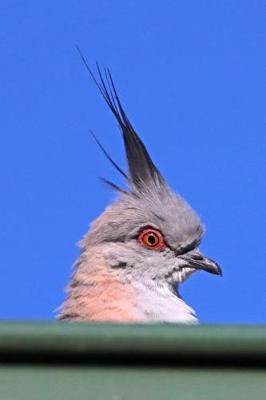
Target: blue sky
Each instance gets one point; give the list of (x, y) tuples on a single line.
[(191, 76)]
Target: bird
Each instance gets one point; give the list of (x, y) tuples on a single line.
[(139, 251)]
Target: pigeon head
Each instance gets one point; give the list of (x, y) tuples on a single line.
[(147, 239), (150, 226)]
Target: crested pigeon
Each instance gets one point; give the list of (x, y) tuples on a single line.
[(143, 246)]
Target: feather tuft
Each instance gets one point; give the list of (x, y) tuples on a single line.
[(142, 171)]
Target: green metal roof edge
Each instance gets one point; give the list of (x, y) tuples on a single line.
[(88, 341)]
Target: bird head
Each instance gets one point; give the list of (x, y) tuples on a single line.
[(149, 232), (142, 247)]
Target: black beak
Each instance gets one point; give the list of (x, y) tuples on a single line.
[(196, 260)]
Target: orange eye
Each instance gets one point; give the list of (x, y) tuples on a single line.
[(152, 239)]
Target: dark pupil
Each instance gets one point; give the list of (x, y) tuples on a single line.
[(151, 239)]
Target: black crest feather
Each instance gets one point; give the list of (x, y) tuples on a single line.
[(107, 155), (142, 170)]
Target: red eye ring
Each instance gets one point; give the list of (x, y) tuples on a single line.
[(152, 239)]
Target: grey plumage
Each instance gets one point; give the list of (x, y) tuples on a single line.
[(152, 273)]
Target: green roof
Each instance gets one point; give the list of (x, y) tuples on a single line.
[(96, 361), (75, 340)]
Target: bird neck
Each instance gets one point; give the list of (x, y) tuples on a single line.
[(98, 292), (160, 303)]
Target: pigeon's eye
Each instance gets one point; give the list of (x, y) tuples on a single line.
[(152, 239)]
